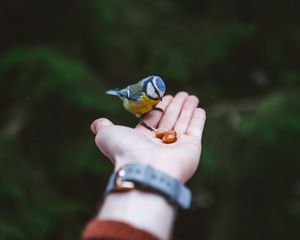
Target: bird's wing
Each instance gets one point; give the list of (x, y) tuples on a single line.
[(132, 92)]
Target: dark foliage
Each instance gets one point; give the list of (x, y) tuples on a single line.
[(241, 58)]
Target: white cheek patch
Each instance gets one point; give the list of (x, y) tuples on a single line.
[(151, 91)]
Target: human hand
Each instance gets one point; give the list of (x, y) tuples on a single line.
[(124, 145)]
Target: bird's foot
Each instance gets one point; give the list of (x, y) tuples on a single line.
[(146, 125)]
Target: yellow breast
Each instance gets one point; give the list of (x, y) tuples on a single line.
[(140, 107)]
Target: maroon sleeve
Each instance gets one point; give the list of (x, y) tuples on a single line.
[(104, 229)]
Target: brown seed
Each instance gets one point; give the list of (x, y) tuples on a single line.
[(172, 132), (159, 133), (170, 136)]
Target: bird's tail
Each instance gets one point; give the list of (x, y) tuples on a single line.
[(112, 92)]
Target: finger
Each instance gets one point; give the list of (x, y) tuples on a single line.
[(152, 118), (100, 123), (195, 129), (186, 115), (171, 115)]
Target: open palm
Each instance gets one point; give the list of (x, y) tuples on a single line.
[(125, 145)]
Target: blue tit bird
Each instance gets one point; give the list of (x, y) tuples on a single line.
[(142, 97)]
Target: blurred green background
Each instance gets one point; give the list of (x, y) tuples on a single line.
[(240, 57)]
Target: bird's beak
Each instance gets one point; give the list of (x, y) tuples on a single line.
[(160, 98)]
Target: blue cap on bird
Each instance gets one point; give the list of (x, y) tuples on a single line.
[(154, 87)]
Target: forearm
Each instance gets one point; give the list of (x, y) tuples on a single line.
[(178, 161), (144, 210)]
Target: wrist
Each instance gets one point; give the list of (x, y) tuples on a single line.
[(140, 195), (124, 206)]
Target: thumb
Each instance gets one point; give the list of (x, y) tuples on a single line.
[(99, 123)]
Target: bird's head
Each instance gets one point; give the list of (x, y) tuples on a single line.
[(154, 87)]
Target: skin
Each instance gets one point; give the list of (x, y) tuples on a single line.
[(124, 145)]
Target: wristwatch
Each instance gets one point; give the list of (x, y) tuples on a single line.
[(141, 176)]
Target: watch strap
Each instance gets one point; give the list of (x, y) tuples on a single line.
[(146, 177)]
